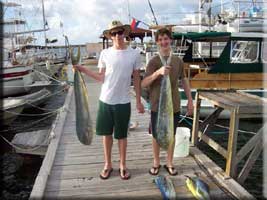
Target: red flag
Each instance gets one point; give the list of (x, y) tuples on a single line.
[(133, 24)]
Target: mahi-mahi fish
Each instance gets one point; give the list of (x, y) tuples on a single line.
[(84, 125), (166, 187), (164, 124), (198, 188)]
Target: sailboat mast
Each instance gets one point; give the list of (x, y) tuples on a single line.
[(128, 10), (199, 15), (209, 15), (221, 6), (44, 21)]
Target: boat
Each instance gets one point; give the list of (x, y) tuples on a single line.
[(250, 19), (238, 64), (10, 110), (15, 80), (13, 106)]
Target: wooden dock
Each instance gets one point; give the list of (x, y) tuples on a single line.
[(71, 170)]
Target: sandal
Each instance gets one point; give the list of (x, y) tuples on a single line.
[(106, 171), (171, 170), (124, 175), (156, 170)]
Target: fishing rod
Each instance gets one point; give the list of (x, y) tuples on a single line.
[(155, 19)]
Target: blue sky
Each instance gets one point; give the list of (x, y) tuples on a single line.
[(84, 20)]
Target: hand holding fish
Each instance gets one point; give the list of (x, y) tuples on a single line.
[(164, 70), (78, 67), (140, 107)]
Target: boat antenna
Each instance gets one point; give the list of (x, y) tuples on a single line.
[(155, 19)]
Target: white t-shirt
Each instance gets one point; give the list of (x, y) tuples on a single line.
[(119, 66)]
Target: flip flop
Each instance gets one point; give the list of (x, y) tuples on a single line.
[(108, 171), (156, 170), (171, 170), (124, 171)]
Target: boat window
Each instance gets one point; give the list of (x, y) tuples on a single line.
[(217, 49), (244, 51), (264, 52), (201, 50)]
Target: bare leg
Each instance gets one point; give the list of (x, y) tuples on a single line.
[(156, 151), (169, 167), (122, 148), (107, 143), (170, 154)]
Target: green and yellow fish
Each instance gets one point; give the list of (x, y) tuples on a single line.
[(164, 125), (198, 188), (84, 125)]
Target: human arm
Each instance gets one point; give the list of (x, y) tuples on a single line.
[(99, 76), (152, 76), (187, 90), (137, 87)]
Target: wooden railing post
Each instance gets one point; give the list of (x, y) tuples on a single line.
[(231, 165), (194, 138)]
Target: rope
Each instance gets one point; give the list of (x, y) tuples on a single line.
[(50, 95), (217, 125), (27, 149), (50, 110), (48, 138), (48, 76), (32, 115), (6, 86), (28, 124)]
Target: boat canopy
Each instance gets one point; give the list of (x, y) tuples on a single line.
[(203, 36), (218, 36)]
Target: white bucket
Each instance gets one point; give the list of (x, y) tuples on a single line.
[(182, 142)]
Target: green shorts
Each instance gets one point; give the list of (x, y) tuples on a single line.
[(113, 118)]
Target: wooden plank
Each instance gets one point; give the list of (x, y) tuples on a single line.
[(249, 145), (41, 179), (218, 148), (250, 162), (218, 101), (256, 98), (205, 80), (195, 128), (232, 140), (211, 119), (228, 184)]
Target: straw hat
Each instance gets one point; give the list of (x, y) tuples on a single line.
[(114, 25)]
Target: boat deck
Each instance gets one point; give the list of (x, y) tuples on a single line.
[(71, 170)]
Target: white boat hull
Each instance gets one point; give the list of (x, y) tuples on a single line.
[(16, 80)]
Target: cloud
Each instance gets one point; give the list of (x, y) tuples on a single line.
[(84, 20)]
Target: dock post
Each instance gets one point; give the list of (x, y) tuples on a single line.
[(231, 165)]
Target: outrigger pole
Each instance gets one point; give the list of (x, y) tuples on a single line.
[(155, 19)]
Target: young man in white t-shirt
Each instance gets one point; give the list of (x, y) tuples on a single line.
[(116, 66)]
